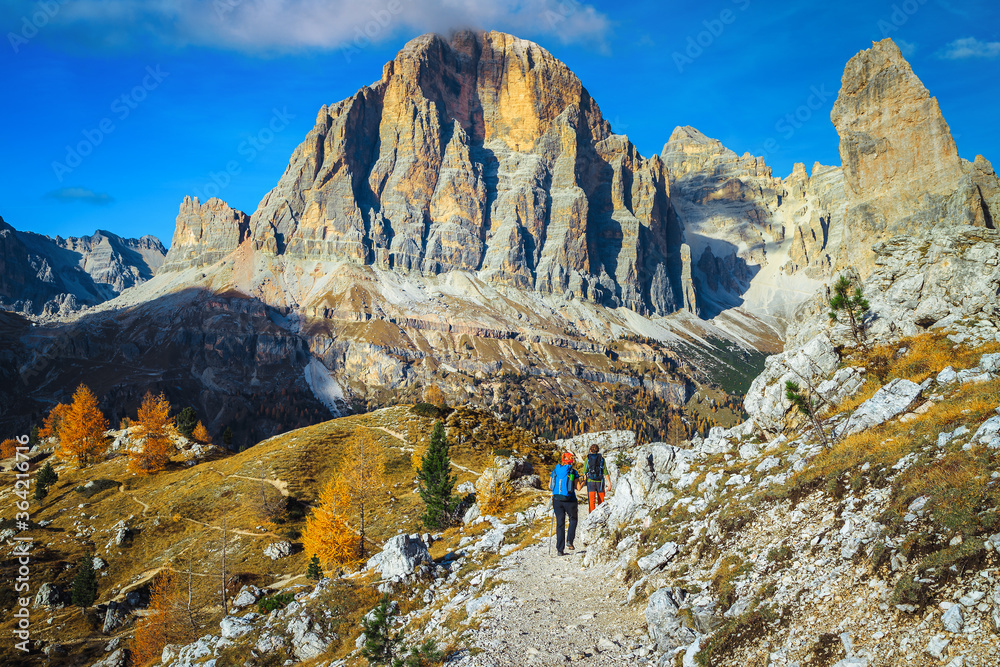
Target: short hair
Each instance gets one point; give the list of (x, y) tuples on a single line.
[(594, 449)]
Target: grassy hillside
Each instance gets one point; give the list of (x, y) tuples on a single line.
[(177, 517)]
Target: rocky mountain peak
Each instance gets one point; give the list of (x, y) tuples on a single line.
[(205, 233), (43, 275), (902, 171), (891, 129), (479, 153)]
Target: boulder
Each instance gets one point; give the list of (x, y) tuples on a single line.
[(890, 401), (277, 550), (505, 469), (308, 638), (233, 627), (952, 620), (659, 558), (115, 617), (765, 401), (846, 382), (247, 596), (990, 363), (116, 658), (989, 433), (49, 595), (399, 557), (937, 646), (664, 624), (121, 534)]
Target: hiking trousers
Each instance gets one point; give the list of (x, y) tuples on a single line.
[(595, 493), (563, 509)]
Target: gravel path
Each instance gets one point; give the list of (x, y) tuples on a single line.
[(551, 610)]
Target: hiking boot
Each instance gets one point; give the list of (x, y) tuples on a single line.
[(561, 553), (571, 547)]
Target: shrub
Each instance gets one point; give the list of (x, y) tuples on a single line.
[(187, 421), (85, 583), (429, 411), (278, 601)]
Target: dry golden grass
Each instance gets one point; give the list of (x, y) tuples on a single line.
[(185, 507), (926, 355), (851, 404)]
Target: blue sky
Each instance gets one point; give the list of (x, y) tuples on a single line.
[(117, 109)]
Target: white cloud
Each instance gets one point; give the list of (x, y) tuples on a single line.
[(970, 47), (290, 25)]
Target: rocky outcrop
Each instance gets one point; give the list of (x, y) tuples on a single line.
[(743, 226), (205, 233), (902, 171), (890, 401), (944, 278), (399, 557), (765, 401), (42, 275), (490, 157)]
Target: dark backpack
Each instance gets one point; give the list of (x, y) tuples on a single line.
[(595, 467)]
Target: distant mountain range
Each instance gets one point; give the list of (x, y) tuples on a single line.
[(45, 276), (471, 221)]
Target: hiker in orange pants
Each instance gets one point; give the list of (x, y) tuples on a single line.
[(596, 474)]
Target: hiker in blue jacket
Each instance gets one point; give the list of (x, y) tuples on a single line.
[(563, 482)]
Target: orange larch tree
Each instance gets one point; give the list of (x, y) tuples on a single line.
[(8, 448), (163, 622), (201, 434), (155, 426), (328, 533), (81, 431), (363, 480), (50, 427)]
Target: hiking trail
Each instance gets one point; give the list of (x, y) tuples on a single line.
[(550, 610)]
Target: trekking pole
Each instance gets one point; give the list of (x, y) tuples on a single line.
[(552, 527)]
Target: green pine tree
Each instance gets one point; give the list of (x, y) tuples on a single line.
[(436, 481), (314, 571), (33, 436), (794, 394), (47, 475), (848, 299), (41, 490), (227, 437), (85, 583), (382, 646), (381, 643), (186, 422)]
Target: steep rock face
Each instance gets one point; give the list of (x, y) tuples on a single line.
[(41, 275), (205, 233), (902, 171), (746, 227), (490, 157)]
